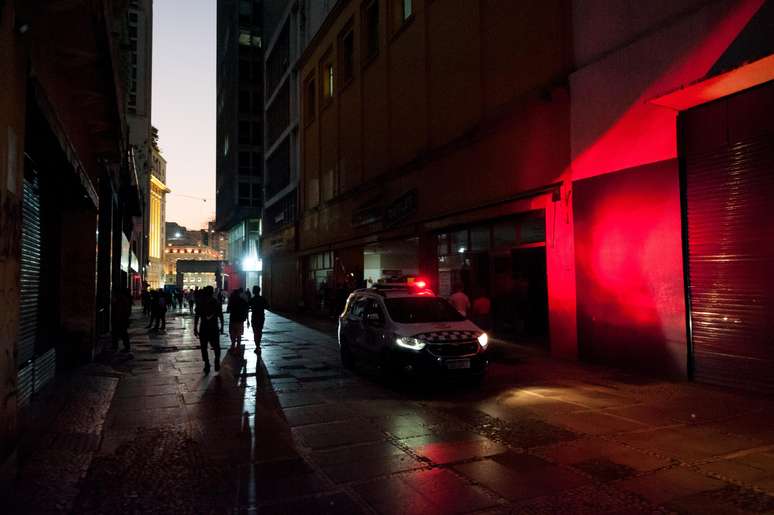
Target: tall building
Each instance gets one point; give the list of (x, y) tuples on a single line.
[(158, 190), (289, 26), (138, 63), (239, 161)]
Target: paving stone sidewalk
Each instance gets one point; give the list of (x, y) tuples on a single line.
[(291, 432)]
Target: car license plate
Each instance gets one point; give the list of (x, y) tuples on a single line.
[(455, 364)]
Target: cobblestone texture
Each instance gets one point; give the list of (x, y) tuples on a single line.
[(290, 431)]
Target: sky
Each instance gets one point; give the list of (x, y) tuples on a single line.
[(183, 105)]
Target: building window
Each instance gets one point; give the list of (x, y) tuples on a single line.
[(328, 81), (347, 56), (371, 28), (406, 8), (244, 133), (310, 100)]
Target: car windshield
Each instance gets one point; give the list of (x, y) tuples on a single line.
[(419, 310)]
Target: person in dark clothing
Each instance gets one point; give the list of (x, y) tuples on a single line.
[(258, 307), (145, 299), (208, 312), (153, 308), (121, 310), (162, 301), (237, 308), (191, 295), (179, 297)]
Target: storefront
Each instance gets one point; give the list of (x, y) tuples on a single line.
[(504, 261), (390, 259)]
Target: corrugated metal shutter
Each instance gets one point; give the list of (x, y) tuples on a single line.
[(30, 274), (729, 167)]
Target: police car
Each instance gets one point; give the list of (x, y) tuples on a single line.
[(405, 326)]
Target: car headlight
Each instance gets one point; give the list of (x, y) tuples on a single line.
[(483, 340), (409, 343)]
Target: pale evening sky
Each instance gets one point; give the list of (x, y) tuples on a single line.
[(184, 105)]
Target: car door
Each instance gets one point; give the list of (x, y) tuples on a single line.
[(373, 322), (354, 332)]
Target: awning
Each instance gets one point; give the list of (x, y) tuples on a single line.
[(709, 89)]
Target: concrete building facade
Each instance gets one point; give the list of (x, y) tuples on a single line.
[(69, 192), (551, 156), (239, 156), (138, 61), (289, 26), (156, 210)]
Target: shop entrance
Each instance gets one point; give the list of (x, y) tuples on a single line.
[(502, 262)]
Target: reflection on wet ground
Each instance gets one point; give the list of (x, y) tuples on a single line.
[(289, 431)]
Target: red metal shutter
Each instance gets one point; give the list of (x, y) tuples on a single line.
[(729, 188)]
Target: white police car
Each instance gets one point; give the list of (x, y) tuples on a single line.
[(407, 327)]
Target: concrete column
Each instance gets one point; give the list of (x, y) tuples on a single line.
[(77, 284), (104, 258), (428, 259)]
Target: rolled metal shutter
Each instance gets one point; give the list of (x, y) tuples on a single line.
[(29, 294), (30, 274), (729, 188)]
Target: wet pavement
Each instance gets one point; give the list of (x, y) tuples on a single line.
[(292, 432)]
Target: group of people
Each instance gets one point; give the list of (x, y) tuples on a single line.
[(207, 307), (479, 311), (208, 321)]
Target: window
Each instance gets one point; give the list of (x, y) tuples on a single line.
[(329, 81), (421, 310), (371, 28), (401, 11), (310, 101), (244, 190), (244, 133), (347, 56), (244, 163), (244, 70), (244, 101)]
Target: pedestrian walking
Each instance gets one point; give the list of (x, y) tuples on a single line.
[(145, 299), (206, 328), (192, 300), (121, 311), (258, 308), (459, 300), (481, 311), (237, 309), (179, 297), (160, 304), (152, 308)]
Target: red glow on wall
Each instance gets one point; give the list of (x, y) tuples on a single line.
[(629, 268), (646, 133)]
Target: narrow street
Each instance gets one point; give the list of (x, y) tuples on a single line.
[(294, 433)]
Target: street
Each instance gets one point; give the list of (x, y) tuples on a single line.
[(294, 433)]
